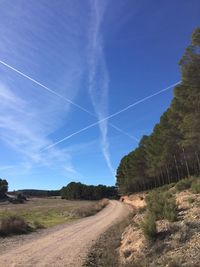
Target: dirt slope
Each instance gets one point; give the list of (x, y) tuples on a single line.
[(67, 246)]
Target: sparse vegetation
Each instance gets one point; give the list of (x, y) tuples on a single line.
[(91, 209), (170, 224), (195, 187), (13, 225), (104, 253), (183, 184), (141, 210), (162, 205), (149, 226), (191, 200), (46, 212)]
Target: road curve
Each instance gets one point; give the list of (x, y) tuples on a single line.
[(67, 246)]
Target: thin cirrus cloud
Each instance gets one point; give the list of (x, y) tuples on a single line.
[(15, 121), (33, 43), (98, 75)]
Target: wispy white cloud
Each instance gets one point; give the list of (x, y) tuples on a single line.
[(29, 114), (21, 131), (32, 43), (98, 74)]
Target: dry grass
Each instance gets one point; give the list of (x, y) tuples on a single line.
[(105, 251), (13, 225), (91, 209), (46, 212)]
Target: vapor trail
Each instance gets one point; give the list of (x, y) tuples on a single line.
[(112, 115), (125, 133), (45, 87), (59, 95)]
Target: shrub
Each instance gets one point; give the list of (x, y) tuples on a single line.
[(16, 201), (21, 197), (162, 205), (141, 209), (166, 187), (196, 187), (149, 226), (38, 225), (154, 205), (184, 184), (191, 200), (13, 225), (170, 209)]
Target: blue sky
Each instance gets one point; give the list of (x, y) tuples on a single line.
[(102, 56)]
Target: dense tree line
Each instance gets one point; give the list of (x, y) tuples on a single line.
[(37, 192), (88, 192), (172, 151)]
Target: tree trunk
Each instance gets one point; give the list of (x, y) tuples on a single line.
[(167, 174), (178, 174), (198, 161), (186, 163)]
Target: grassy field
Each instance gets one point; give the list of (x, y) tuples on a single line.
[(46, 212)]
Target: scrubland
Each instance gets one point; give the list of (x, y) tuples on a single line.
[(164, 230), (43, 213)]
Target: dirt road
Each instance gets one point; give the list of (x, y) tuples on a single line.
[(67, 246)]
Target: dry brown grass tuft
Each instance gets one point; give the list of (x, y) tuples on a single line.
[(13, 225)]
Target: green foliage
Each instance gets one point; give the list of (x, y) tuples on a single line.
[(183, 184), (191, 200), (37, 193), (162, 205), (141, 210), (149, 226), (3, 188), (172, 151), (195, 187), (38, 225), (170, 209), (88, 192)]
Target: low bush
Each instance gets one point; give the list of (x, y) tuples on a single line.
[(184, 184), (166, 187), (38, 225), (162, 205), (13, 225), (16, 201), (191, 200), (148, 226), (195, 187), (170, 210), (141, 210)]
